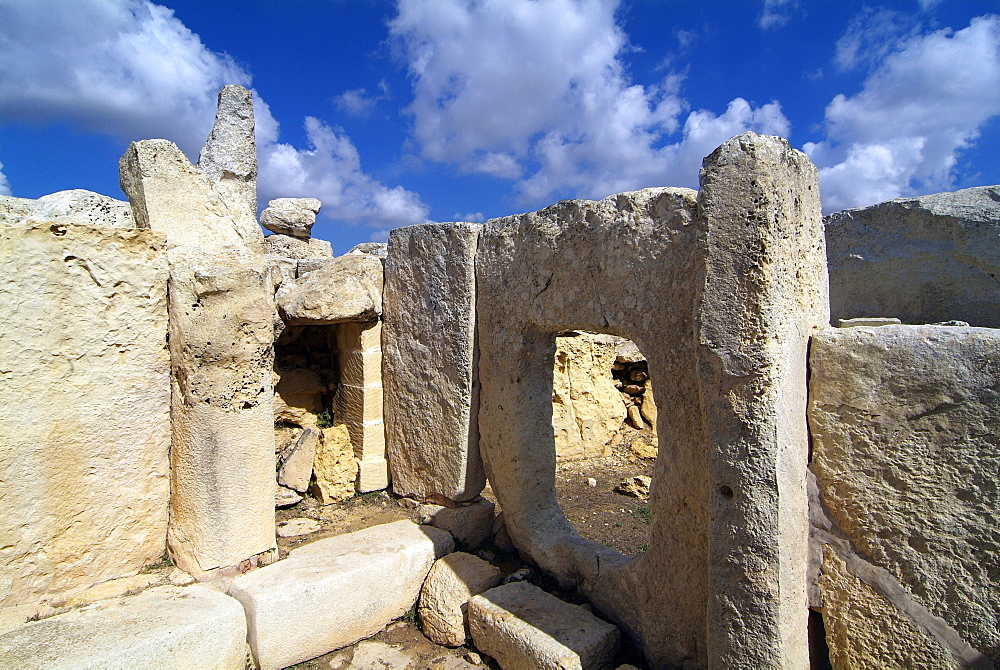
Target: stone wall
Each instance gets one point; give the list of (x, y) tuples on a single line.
[(905, 422), (85, 391)]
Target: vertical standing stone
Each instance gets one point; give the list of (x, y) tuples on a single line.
[(359, 399), (221, 349), (85, 388), (765, 291), (229, 159), (429, 310)]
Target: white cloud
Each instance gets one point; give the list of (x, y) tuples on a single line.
[(4, 184), (902, 133), (131, 69), (535, 91), (358, 102), (331, 171), (774, 14)]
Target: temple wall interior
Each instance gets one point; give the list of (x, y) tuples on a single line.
[(170, 375)]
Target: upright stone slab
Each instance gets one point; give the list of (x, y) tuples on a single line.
[(904, 422), (85, 390), (229, 159), (923, 260), (627, 265), (221, 346), (431, 400), (358, 404), (764, 294), (166, 627)]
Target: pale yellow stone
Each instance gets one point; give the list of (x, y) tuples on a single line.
[(864, 632), (85, 392), (334, 466), (587, 410)]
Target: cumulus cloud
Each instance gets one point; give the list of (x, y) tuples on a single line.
[(131, 69), (535, 91), (331, 171), (918, 109), (4, 184), (359, 102)]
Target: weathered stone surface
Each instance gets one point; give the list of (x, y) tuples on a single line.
[(469, 523), (13, 210), (79, 207), (347, 289), (305, 266), (85, 391), (868, 321), (865, 631), (296, 462), (229, 159), (904, 420), (291, 216), (166, 627), (297, 527), (373, 475), (627, 265), (380, 249), (298, 396), (648, 407), (923, 260), (359, 582), (765, 292), (431, 388), (451, 582), (373, 655), (293, 247), (586, 408), (285, 497), (170, 195), (636, 487), (222, 410), (334, 466), (358, 401), (522, 626)]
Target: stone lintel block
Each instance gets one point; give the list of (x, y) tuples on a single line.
[(334, 592), (522, 626), (430, 357), (165, 627)]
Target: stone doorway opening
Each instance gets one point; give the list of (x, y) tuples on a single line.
[(603, 419)]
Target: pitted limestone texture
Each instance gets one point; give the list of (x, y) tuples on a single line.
[(348, 288), (85, 387), (291, 216), (904, 420), (432, 434), (923, 260), (76, 206)]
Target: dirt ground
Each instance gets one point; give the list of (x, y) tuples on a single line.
[(585, 490)]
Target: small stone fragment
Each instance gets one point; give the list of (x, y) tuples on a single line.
[(297, 461), (591, 482), (636, 487), (297, 527), (634, 417), (285, 497), (291, 216)]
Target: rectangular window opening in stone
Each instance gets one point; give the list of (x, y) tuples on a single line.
[(604, 420)]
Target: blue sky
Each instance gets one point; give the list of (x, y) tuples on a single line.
[(394, 113)]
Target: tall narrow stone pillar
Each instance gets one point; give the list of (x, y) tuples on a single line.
[(432, 430), (765, 292), (221, 353), (359, 400)]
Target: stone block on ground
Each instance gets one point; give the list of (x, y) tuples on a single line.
[(469, 523), (373, 475), (431, 408), (85, 391), (296, 461), (451, 582), (165, 627), (522, 626), (349, 288), (290, 216), (334, 466), (336, 591)]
